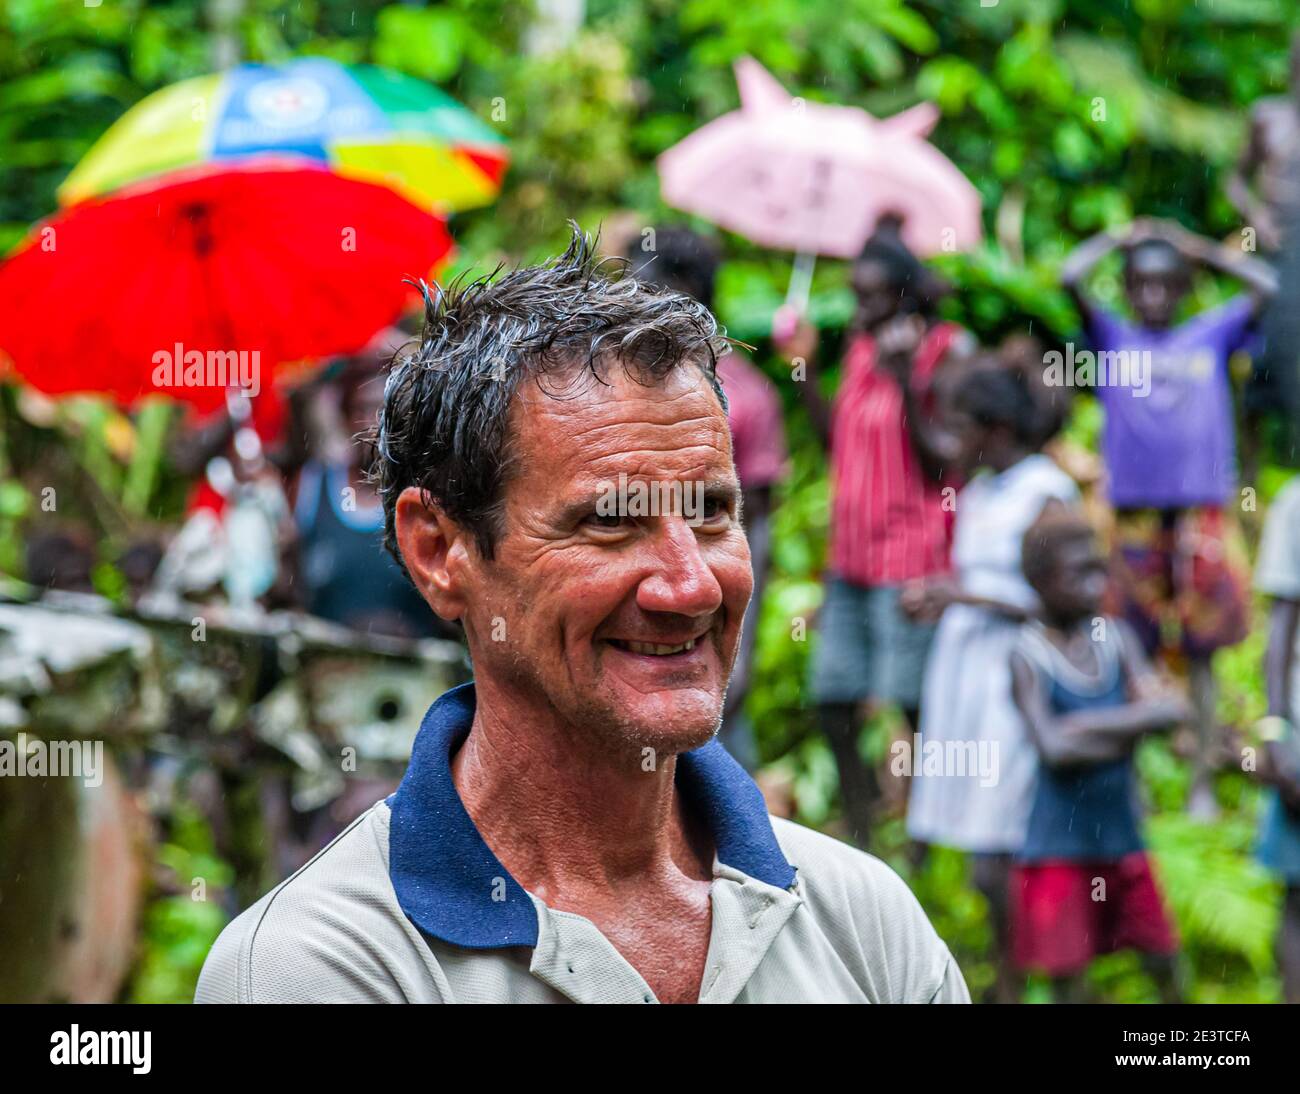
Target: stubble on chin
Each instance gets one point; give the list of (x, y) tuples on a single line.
[(618, 727), (613, 726)]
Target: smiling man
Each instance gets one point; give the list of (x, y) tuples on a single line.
[(568, 829)]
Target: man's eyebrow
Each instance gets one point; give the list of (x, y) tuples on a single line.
[(722, 489), (577, 507), (728, 491)]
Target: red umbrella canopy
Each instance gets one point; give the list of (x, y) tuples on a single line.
[(210, 281)]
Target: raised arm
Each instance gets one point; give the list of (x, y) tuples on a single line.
[(1240, 189), (802, 346), (1080, 263), (1255, 274)]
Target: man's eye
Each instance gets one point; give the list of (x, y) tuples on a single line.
[(714, 509), (606, 520)]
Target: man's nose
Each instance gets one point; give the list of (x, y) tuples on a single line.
[(682, 581)]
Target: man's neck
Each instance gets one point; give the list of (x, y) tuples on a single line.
[(569, 820)]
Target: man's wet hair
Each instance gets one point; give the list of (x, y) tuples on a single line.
[(1046, 538), (445, 423), (994, 395), (682, 260)]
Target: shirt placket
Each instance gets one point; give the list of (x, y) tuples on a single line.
[(574, 958), (748, 916)]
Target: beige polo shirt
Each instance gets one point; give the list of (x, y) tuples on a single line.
[(410, 905)]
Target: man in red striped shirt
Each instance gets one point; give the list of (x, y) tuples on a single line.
[(891, 508)]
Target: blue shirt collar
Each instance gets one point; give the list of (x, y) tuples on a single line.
[(451, 885)]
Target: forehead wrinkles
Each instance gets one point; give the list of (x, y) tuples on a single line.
[(597, 439), (622, 417)]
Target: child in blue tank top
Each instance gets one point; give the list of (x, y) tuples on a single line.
[(1082, 884)]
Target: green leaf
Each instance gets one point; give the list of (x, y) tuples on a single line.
[(425, 42)]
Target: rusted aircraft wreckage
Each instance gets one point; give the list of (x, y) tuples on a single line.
[(277, 729)]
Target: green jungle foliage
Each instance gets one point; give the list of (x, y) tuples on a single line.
[(1068, 115)]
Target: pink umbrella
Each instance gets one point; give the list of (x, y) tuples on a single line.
[(815, 178)]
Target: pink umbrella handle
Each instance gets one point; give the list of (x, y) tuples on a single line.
[(795, 307)]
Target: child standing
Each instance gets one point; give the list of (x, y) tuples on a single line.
[(1170, 449), (1277, 575), (966, 702), (1082, 884)]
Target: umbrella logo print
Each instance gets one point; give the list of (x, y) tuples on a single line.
[(288, 104)]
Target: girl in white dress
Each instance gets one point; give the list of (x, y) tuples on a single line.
[(973, 775)]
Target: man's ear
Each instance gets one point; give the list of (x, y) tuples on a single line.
[(433, 548)]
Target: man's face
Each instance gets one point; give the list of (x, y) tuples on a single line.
[(626, 626)]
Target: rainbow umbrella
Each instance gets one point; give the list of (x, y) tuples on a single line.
[(232, 224), (360, 122)]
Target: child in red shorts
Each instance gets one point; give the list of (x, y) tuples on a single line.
[(1082, 885)]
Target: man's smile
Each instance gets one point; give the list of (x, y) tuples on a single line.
[(652, 649), (668, 659)]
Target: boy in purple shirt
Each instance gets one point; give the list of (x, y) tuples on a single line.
[(1170, 450)]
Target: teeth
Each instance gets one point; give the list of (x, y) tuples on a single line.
[(654, 649)]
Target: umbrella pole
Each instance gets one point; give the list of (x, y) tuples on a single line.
[(800, 288), (795, 307)]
